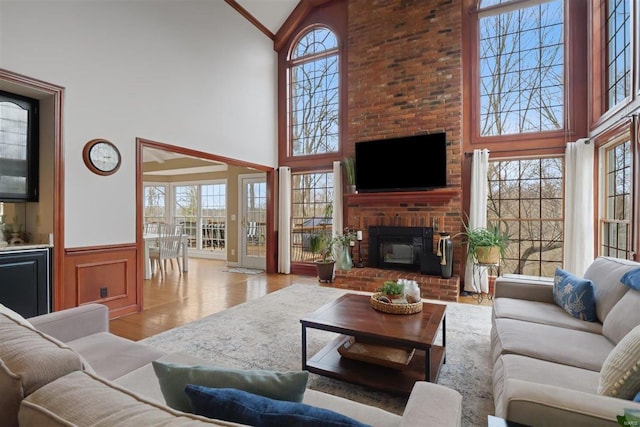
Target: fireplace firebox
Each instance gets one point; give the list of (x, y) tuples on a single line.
[(403, 248)]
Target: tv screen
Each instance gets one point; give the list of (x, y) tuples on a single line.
[(402, 164)]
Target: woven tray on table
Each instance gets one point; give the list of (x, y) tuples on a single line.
[(385, 307)]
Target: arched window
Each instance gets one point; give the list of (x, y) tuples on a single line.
[(314, 93)]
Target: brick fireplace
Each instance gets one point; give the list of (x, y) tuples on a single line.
[(405, 78)]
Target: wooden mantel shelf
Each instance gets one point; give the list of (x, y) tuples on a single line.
[(440, 195)]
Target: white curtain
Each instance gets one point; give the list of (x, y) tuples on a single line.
[(284, 220), (578, 206), (478, 216), (337, 199)]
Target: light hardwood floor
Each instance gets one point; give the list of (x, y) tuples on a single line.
[(206, 289)]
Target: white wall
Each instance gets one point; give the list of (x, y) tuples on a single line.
[(192, 73)]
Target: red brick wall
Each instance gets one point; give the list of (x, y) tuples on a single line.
[(405, 78)]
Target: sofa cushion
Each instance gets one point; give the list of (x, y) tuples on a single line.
[(174, 377), (247, 408), (605, 274), (29, 359), (620, 374), (560, 345), (541, 312), (623, 317), (575, 295), (83, 399), (111, 356), (527, 389)]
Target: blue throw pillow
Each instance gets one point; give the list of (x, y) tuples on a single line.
[(632, 279), (637, 398), (575, 295), (239, 406)]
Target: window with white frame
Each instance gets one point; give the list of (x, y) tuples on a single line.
[(155, 203), (202, 209), (616, 200)]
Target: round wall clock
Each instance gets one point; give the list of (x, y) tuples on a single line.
[(101, 157)]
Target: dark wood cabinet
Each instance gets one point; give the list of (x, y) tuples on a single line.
[(25, 281)]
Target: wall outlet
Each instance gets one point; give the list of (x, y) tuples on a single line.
[(104, 292), (233, 252)]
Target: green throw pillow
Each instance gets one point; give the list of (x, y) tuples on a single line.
[(174, 377)]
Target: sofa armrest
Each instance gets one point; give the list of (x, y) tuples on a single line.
[(73, 323), (545, 405), (524, 287), (432, 404)]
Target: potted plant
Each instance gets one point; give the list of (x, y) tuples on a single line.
[(390, 291), (350, 173), (485, 245), (344, 242), (322, 244)]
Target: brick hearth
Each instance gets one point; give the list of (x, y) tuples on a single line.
[(370, 279)]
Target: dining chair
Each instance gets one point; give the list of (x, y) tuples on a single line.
[(169, 242)]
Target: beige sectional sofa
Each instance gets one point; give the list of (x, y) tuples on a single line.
[(65, 368), (548, 365)]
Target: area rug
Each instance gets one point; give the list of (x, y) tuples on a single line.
[(243, 270), (265, 333)]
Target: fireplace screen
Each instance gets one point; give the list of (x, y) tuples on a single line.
[(398, 253)]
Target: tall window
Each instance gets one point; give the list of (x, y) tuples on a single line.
[(618, 51), (311, 211), (525, 200), (616, 222), (313, 70), (314, 93), (155, 207), (521, 67)]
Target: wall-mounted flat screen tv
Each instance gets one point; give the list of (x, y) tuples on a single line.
[(411, 163)]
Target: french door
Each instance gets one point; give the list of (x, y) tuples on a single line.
[(253, 224)]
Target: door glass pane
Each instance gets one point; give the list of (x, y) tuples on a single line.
[(213, 215), (256, 222)]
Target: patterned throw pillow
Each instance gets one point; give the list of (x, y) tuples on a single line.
[(620, 372), (575, 295)]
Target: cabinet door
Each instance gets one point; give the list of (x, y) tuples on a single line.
[(24, 282)]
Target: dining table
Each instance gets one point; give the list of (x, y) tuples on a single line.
[(150, 238)]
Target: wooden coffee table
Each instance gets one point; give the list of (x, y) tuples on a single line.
[(351, 315)]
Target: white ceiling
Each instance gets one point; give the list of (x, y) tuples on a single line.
[(271, 13)]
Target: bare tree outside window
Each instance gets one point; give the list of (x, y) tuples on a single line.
[(311, 211), (616, 224), (521, 69), (314, 94), (525, 200), (618, 51), (155, 204), (313, 129)]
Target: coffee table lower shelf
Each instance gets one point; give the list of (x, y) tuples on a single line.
[(328, 362)]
